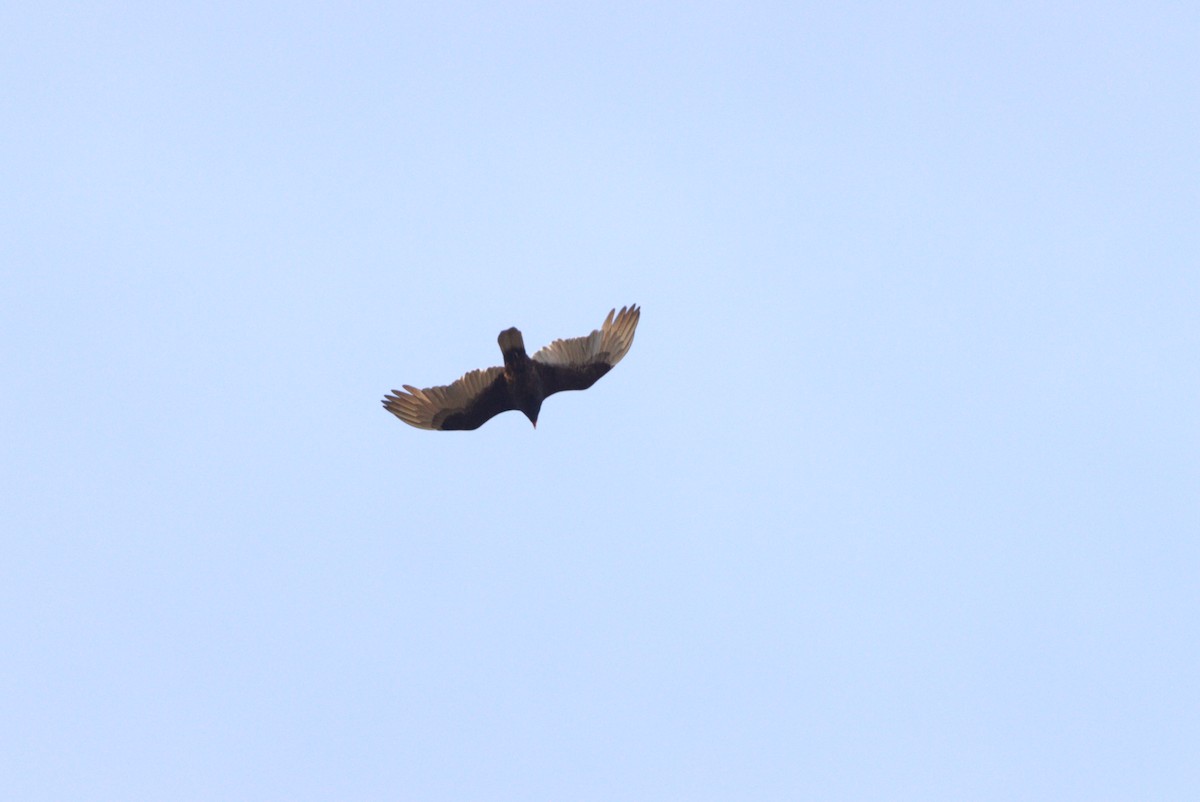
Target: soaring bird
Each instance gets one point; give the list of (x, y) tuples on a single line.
[(522, 383)]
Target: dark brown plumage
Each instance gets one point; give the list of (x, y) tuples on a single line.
[(522, 383)]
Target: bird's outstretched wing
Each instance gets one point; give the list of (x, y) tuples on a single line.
[(577, 363), (465, 404)]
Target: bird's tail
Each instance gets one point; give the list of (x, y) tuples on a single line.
[(512, 344)]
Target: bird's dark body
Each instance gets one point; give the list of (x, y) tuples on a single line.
[(521, 376), (523, 383)]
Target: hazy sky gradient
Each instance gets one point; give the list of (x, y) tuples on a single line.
[(896, 495)]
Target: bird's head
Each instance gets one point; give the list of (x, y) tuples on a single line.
[(531, 410)]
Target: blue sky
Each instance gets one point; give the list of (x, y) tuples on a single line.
[(895, 496)]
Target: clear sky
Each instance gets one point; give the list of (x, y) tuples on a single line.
[(896, 495)]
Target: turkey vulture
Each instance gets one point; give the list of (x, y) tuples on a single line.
[(522, 383)]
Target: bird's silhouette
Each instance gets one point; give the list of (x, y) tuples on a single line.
[(522, 383)]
